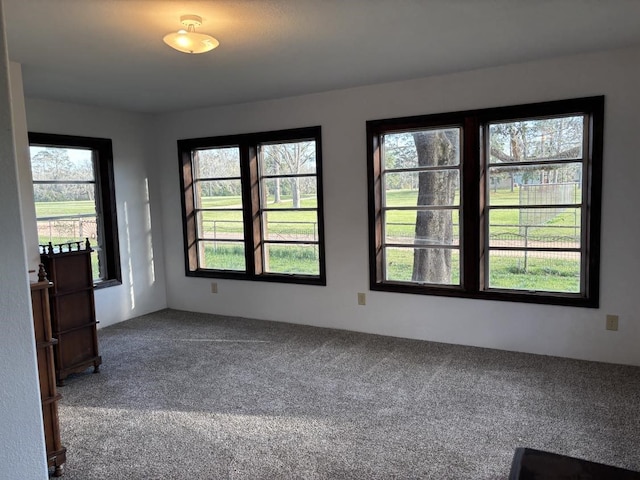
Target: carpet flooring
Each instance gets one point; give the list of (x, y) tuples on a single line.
[(192, 396)]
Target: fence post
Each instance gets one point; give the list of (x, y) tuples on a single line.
[(315, 237), (526, 244)]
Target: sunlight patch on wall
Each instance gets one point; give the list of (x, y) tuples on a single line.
[(132, 293), (147, 212)]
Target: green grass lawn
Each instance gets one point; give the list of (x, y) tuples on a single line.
[(61, 209), (542, 274), (503, 221), (299, 225), (294, 259)]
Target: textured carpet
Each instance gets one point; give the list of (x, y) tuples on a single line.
[(192, 396)]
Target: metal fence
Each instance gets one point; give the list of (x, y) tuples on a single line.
[(544, 194), (296, 231), (518, 236), (70, 228)]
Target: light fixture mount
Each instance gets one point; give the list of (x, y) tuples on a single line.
[(191, 21), (189, 41)]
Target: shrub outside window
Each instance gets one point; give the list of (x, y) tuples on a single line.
[(252, 206), (499, 203)]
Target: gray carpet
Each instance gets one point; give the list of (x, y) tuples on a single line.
[(192, 396)]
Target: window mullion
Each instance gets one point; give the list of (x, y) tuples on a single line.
[(189, 199), (472, 203), (377, 201), (592, 199), (251, 202), (541, 206), (106, 216)]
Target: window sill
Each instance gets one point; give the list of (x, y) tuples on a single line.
[(106, 284), (267, 277), (540, 298)]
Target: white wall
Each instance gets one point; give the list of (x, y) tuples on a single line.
[(25, 179), (22, 454), (554, 330), (143, 287)]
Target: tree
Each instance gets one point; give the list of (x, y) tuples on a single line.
[(55, 164), (289, 159), (276, 194), (536, 140), (218, 163), (435, 148)]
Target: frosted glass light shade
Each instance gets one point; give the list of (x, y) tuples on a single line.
[(191, 42), (188, 41)]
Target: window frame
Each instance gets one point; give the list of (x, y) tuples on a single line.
[(474, 205), (248, 145), (106, 214)]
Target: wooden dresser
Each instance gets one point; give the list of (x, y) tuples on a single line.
[(73, 317), (56, 453)]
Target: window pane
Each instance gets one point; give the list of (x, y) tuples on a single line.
[(299, 226), (535, 271), (220, 224), (424, 148), (288, 258), (217, 163), (439, 187), (535, 227), (51, 163), (422, 265), (292, 192), (288, 158), (65, 198), (66, 213), (533, 185), (222, 255), (95, 265), (537, 140), (219, 194), (436, 227), (59, 229)]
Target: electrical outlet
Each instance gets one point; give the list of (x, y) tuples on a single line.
[(214, 287), (612, 322), (362, 299)]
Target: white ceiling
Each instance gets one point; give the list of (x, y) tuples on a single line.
[(110, 52)]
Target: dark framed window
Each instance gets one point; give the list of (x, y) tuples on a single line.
[(500, 203), (74, 194), (252, 206)]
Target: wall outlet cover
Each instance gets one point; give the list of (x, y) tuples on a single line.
[(612, 322), (362, 298)]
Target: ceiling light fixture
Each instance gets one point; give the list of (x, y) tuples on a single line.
[(188, 41)]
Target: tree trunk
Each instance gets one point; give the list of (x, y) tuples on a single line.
[(433, 265), (295, 192), (276, 196)]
